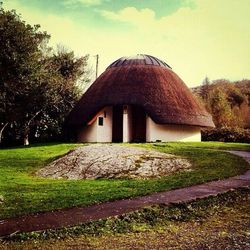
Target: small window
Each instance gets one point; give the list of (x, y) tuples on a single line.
[(100, 121), (105, 114)]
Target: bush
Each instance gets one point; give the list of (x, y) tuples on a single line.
[(226, 135)]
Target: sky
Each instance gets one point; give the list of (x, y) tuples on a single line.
[(197, 38)]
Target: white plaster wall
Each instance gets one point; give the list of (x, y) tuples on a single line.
[(127, 125), (166, 133), (130, 132), (104, 133), (96, 133), (125, 128), (88, 133)]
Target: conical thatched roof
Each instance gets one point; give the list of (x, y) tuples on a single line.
[(145, 81)]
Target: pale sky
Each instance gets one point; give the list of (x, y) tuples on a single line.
[(197, 38)]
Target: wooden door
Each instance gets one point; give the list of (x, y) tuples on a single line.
[(117, 128), (138, 124)]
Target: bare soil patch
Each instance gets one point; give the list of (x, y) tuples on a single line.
[(114, 161)]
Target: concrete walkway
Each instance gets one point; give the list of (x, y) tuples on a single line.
[(244, 154), (77, 215)]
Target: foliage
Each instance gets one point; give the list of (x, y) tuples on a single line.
[(226, 135), (38, 85), (59, 90), (220, 108), (228, 102), (204, 89), (25, 193), (20, 50)]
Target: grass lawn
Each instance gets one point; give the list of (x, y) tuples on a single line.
[(25, 193)]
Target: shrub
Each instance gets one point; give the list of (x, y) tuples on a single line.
[(226, 135)]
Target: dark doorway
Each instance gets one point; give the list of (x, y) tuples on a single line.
[(138, 124), (117, 129)]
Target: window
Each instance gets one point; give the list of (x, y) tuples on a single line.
[(100, 121)]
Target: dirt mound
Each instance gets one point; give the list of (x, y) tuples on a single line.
[(113, 161)]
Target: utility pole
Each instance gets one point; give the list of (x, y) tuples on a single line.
[(97, 64)]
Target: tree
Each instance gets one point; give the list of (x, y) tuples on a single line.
[(205, 88), (232, 98), (65, 74), (234, 95), (220, 108), (54, 93), (20, 51), (38, 86)]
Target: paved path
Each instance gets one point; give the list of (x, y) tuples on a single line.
[(77, 215), (244, 154)]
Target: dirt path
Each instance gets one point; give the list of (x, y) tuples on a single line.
[(77, 215)]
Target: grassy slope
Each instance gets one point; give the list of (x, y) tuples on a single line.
[(24, 193)]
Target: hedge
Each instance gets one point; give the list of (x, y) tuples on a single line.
[(226, 135)]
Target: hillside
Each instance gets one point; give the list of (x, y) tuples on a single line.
[(228, 102)]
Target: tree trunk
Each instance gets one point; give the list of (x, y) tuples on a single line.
[(1, 131), (26, 136), (27, 129), (26, 141)]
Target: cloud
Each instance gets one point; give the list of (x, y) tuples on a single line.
[(210, 39), (84, 2), (142, 18)]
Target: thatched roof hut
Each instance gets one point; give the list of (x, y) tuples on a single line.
[(148, 83)]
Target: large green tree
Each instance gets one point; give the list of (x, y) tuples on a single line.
[(60, 88), (38, 86), (19, 56)]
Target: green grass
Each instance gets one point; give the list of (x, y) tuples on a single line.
[(25, 193)]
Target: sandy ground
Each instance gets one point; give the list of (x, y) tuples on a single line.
[(113, 161)]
